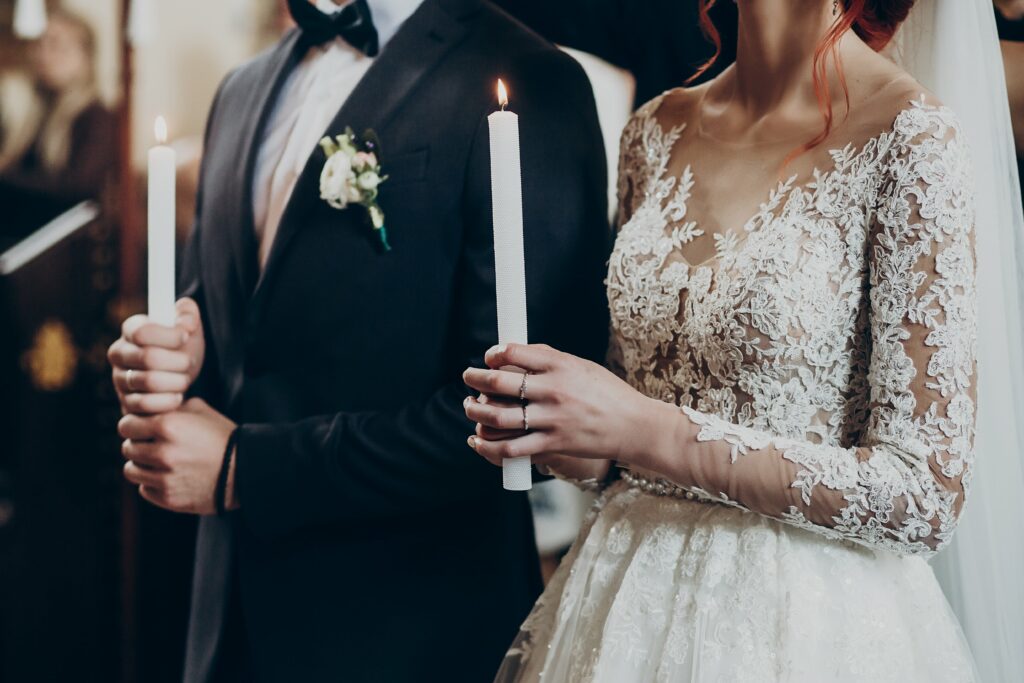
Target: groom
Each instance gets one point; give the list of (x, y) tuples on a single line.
[(362, 539)]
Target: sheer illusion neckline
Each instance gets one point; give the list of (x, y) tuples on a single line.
[(850, 156), (707, 135)]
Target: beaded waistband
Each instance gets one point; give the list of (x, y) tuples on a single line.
[(662, 487)]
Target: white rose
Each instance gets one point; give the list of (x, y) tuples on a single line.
[(336, 180), (355, 195), (369, 180)]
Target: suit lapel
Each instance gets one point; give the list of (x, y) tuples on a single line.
[(434, 29), (261, 99)]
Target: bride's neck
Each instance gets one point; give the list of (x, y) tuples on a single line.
[(775, 51)]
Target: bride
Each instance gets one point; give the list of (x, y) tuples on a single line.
[(788, 434)]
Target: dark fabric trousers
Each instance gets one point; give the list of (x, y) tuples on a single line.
[(234, 661)]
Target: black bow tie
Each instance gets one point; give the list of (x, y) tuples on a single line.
[(353, 24)]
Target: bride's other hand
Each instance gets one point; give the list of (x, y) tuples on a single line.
[(576, 408), (154, 365)]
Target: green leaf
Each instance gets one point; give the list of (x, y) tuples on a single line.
[(329, 146)]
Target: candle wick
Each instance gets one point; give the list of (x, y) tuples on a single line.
[(504, 106)]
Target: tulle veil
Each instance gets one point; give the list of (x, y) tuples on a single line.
[(952, 48)]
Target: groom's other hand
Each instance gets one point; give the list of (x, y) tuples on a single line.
[(154, 365), (175, 458)]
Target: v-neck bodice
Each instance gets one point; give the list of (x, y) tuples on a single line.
[(841, 310)]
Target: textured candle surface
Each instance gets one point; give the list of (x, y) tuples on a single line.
[(161, 235), (29, 18), (509, 257)]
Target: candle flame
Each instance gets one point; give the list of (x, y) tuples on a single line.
[(502, 95), (160, 129)]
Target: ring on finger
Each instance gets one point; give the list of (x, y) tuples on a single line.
[(129, 380), (526, 420), (522, 388)]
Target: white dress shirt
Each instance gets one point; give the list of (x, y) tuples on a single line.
[(308, 102)]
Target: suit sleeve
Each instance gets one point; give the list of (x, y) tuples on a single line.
[(190, 276), (363, 465)]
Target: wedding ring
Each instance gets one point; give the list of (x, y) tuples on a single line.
[(522, 387), (129, 380), (526, 420)]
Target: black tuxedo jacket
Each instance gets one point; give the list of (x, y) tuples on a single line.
[(372, 544)]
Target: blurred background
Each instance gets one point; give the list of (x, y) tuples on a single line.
[(93, 583)]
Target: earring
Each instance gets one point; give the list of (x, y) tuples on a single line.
[(835, 8)]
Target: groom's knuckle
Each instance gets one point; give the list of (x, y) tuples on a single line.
[(130, 325), (148, 357), (158, 455), (164, 426)]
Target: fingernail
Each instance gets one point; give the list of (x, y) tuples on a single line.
[(466, 403), (472, 442), (500, 348)]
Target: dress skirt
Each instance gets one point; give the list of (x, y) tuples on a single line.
[(663, 589)]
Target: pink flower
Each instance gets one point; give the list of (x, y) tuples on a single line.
[(365, 161)]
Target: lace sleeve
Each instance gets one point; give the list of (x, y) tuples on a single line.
[(624, 189), (903, 485)]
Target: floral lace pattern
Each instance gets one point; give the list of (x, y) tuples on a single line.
[(831, 345)]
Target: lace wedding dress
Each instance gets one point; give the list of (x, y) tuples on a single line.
[(827, 354)]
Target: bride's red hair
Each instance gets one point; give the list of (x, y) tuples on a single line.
[(874, 21)]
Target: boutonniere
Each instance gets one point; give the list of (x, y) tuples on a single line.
[(352, 174)]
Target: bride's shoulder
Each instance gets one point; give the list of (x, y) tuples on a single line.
[(899, 103), (672, 107), (909, 120)]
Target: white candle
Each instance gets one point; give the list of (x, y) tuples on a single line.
[(29, 18), (509, 260), (162, 164)]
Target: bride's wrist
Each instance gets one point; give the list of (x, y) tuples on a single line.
[(661, 434)]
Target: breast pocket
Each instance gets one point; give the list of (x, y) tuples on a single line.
[(402, 169)]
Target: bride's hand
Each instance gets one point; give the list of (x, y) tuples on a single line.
[(575, 408)]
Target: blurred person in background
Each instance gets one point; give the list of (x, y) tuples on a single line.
[(1010, 20), (55, 135), (660, 42)]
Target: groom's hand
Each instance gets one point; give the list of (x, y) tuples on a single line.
[(154, 365), (175, 458)]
